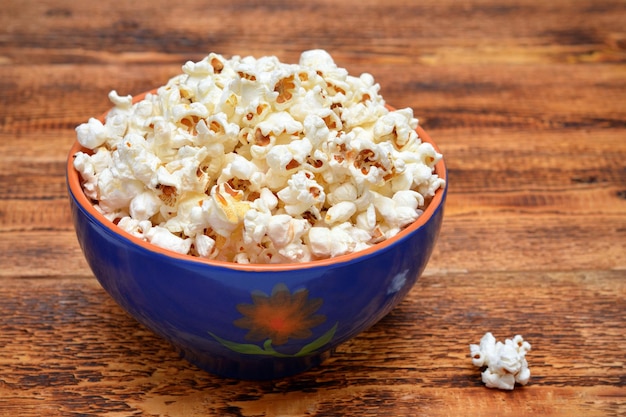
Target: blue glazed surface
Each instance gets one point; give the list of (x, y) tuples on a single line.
[(196, 306)]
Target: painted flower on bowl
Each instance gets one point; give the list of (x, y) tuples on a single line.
[(276, 318), (280, 316)]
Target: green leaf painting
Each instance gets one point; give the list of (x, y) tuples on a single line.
[(268, 350)]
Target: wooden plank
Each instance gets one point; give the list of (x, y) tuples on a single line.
[(525, 99), (18, 216), (81, 344), (154, 26), (498, 242), (443, 96)]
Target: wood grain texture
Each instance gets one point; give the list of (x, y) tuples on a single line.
[(68, 346), (525, 98)]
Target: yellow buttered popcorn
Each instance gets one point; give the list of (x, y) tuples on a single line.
[(252, 160)]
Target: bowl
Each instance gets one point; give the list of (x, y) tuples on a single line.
[(255, 321)]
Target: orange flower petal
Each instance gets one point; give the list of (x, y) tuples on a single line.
[(281, 316)]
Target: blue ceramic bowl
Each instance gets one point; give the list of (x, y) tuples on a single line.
[(253, 321)]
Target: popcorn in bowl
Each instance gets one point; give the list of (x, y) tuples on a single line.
[(256, 161)]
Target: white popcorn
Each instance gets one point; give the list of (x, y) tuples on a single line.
[(338, 240), (343, 192), (137, 159), (91, 134), (283, 230), (315, 129), (282, 158), (256, 161), (225, 211), (279, 123), (116, 191), (505, 362), (236, 166), (340, 212), (395, 215), (366, 220), (163, 238), (121, 102), (144, 205), (137, 228), (302, 194), (189, 217), (255, 226), (204, 245), (397, 127), (89, 167)]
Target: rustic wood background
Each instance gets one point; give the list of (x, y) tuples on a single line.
[(527, 100)]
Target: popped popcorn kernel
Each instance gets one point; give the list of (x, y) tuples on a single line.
[(256, 161), (505, 363), (285, 89)]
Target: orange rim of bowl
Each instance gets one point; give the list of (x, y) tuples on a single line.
[(75, 187)]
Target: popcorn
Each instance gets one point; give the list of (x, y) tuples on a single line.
[(302, 194), (505, 362), (282, 230), (116, 190), (121, 102), (145, 205), (137, 228), (340, 212), (163, 238), (91, 134), (330, 242), (204, 245), (225, 209), (256, 161)]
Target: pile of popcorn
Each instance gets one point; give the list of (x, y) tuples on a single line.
[(256, 161), (505, 363)]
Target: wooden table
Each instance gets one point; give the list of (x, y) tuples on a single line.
[(527, 100)]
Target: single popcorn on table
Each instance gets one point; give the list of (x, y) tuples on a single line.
[(505, 363), (257, 161)]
